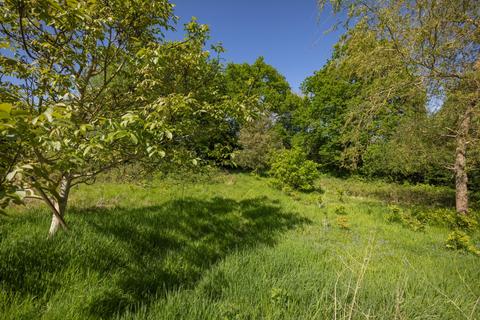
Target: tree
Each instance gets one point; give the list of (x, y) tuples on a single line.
[(77, 98), (415, 152), (342, 118), (257, 140), (258, 78), (327, 92), (60, 63), (271, 89), (438, 41), (185, 69)]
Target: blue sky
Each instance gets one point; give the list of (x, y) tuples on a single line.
[(290, 34)]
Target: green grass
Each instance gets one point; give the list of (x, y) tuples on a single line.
[(234, 248)]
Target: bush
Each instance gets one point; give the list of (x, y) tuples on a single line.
[(466, 222), (291, 168), (459, 240), (412, 220), (342, 223), (448, 218), (395, 214), (340, 210)]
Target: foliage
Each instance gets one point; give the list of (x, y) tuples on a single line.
[(352, 117), (258, 79), (9, 151), (412, 154), (322, 118), (91, 86), (466, 222), (342, 223), (59, 67), (459, 240), (257, 140), (271, 90), (409, 219), (185, 68), (429, 45), (291, 168), (394, 214), (340, 210)]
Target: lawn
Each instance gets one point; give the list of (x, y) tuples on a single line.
[(233, 247)]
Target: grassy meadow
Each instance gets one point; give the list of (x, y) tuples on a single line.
[(230, 246)]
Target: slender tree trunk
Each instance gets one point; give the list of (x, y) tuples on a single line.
[(461, 178), (60, 205)]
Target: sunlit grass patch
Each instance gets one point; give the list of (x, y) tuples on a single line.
[(231, 247)]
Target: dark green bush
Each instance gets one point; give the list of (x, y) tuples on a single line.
[(291, 168)]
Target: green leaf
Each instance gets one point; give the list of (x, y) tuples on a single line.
[(134, 138), (4, 115), (87, 150), (49, 114), (11, 175), (5, 107)]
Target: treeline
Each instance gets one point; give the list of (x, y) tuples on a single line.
[(406, 141), (399, 98)]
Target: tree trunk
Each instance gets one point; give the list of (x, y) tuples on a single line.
[(60, 205), (461, 178)]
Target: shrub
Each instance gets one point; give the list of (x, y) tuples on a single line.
[(465, 222), (412, 220), (342, 223), (395, 214), (341, 195), (340, 210), (459, 240), (448, 218), (291, 168), (413, 223)]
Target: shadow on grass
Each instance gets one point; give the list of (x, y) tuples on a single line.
[(142, 253)]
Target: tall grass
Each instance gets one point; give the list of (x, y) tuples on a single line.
[(230, 247)]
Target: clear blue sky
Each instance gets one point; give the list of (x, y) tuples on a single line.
[(290, 34)]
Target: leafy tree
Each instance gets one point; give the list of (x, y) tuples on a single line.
[(59, 66), (258, 79), (185, 69), (438, 41), (257, 140), (341, 121), (80, 93), (322, 118), (273, 92), (416, 152)]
